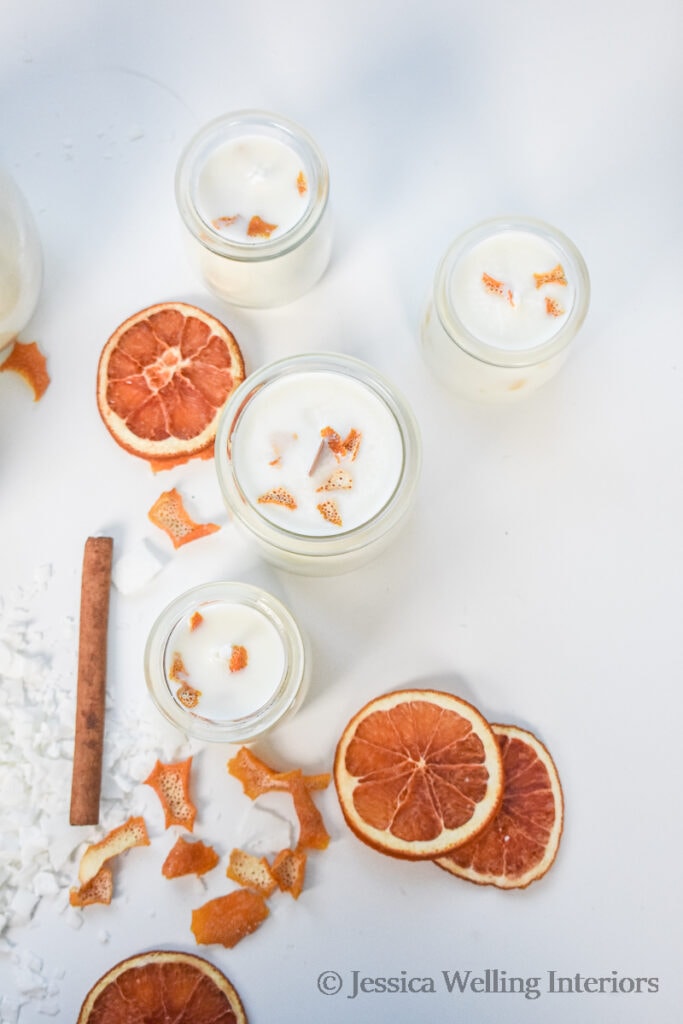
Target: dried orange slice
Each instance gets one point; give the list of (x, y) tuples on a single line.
[(228, 919), (418, 772), (132, 833), (171, 783), (163, 377), (189, 858), (99, 889), (166, 987), (28, 361), (289, 869), (521, 843), (251, 872), (169, 513)]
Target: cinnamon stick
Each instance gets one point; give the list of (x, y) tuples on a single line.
[(86, 781)]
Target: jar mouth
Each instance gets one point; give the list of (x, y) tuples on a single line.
[(318, 547), (240, 728), (483, 350), (195, 157)]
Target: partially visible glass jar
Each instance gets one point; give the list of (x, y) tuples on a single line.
[(509, 296), (318, 459), (21, 263), (252, 189), (226, 662)]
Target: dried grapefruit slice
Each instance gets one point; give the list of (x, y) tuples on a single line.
[(163, 377), (166, 987), (418, 772), (521, 843)]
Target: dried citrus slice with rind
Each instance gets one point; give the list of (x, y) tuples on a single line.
[(166, 987), (163, 378), (521, 843), (418, 772)]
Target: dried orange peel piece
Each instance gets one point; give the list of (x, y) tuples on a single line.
[(189, 858), (171, 783), (99, 889), (289, 869), (552, 307), (251, 872), (132, 833), (169, 513), (239, 658), (259, 228), (329, 510), (258, 778), (554, 276), (278, 496), (227, 920), (28, 361)]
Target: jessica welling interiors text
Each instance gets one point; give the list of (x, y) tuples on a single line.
[(491, 981)]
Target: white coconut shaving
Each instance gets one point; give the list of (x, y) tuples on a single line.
[(39, 848)]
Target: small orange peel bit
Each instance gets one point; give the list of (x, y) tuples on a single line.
[(189, 858), (278, 496), (492, 284), (227, 920), (258, 778), (239, 658), (259, 228), (251, 872), (196, 620), (301, 184), (225, 221), (99, 889), (289, 869), (352, 443), (312, 831), (340, 480), (554, 276), (188, 696), (132, 833), (171, 783), (177, 671), (28, 361), (329, 510), (169, 514), (552, 307)]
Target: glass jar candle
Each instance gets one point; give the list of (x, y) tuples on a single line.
[(252, 189), (318, 459), (226, 662), (21, 264), (509, 296)]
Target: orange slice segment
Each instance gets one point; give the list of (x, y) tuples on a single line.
[(169, 513), (521, 843), (163, 377), (28, 361), (418, 772), (99, 889), (228, 919), (166, 987), (132, 833), (189, 858), (251, 872), (171, 783)]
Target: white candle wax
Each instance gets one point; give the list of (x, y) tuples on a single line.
[(224, 661), (279, 446), (21, 263)]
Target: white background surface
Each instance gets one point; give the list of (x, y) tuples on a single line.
[(541, 576)]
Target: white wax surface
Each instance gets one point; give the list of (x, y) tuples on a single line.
[(206, 651), (278, 436), (252, 176), (511, 257)]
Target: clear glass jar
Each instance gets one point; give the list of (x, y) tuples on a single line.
[(500, 319), (332, 510), (252, 189), (189, 662), (21, 264)]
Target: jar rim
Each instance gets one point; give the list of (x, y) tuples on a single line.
[(231, 125), (483, 351)]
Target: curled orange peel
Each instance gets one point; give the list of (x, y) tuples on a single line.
[(132, 833), (171, 783), (29, 362), (99, 889), (169, 513)]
